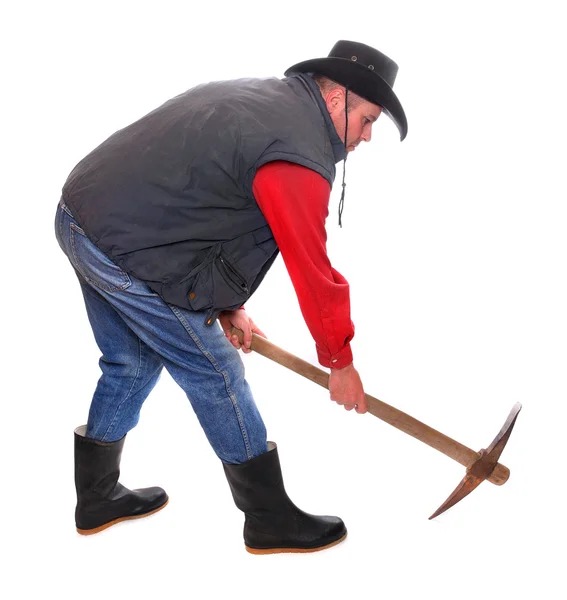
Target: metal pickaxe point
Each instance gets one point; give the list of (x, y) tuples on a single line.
[(484, 466), (480, 466)]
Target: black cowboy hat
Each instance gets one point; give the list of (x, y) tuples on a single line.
[(364, 71)]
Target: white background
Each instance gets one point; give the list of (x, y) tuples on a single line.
[(453, 243)]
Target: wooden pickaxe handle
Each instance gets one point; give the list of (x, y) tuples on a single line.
[(398, 419)]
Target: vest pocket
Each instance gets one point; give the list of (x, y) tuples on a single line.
[(216, 284), (231, 275)]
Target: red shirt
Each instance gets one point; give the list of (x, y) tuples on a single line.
[(295, 203)]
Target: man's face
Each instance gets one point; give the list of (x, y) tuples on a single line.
[(360, 118)]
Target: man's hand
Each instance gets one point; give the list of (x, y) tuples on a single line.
[(345, 388), (239, 319)]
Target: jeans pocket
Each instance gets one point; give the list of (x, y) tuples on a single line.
[(94, 265)]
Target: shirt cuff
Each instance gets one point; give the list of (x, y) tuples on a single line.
[(341, 359)]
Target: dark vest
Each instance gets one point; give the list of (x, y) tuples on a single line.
[(169, 198)]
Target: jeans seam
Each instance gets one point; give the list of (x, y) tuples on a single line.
[(119, 407), (226, 378)]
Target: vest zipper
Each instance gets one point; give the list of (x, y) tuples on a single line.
[(232, 275)]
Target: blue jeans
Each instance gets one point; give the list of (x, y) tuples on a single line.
[(138, 334)]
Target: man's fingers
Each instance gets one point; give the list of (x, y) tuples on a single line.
[(247, 339), (359, 407), (259, 332)]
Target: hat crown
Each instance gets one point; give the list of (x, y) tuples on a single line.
[(367, 57)]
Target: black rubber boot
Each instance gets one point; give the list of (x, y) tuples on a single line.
[(272, 521), (101, 500)]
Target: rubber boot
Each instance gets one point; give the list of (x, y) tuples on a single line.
[(272, 521), (101, 500)]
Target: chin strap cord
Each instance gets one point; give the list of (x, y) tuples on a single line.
[(342, 200)]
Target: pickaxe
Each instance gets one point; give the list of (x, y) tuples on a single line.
[(480, 465)]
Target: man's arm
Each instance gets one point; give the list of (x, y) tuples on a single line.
[(295, 202)]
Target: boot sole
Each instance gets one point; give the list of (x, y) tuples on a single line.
[(295, 550), (111, 523)]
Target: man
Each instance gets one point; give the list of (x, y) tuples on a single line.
[(171, 224)]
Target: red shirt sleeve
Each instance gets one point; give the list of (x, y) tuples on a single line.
[(295, 202)]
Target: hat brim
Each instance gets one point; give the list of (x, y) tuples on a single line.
[(362, 81)]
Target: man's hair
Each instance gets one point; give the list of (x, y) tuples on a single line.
[(326, 85)]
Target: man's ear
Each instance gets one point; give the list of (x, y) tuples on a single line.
[(334, 100)]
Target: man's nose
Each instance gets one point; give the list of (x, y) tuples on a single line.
[(367, 133)]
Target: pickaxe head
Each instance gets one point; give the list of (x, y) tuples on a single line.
[(483, 466)]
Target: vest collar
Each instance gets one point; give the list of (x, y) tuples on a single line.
[(338, 146)]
